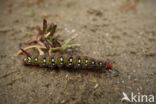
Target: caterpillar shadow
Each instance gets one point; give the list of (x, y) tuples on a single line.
[(108, 73)]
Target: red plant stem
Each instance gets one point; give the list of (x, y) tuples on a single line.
[(32, 41)]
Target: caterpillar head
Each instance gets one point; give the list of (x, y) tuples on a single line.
[(27, 60)]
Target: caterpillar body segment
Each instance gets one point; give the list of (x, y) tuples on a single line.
[(67, 61)]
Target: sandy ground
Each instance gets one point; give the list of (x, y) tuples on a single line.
[(128, 39)]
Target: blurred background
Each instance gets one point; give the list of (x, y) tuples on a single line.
[(121, 31)]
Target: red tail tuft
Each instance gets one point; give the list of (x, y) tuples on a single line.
[(109, 66)]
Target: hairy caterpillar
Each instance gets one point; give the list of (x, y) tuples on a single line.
[(66, 61)]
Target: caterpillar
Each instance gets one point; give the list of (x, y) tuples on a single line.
[(66, 61)]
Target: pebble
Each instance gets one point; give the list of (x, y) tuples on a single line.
[(66, 76), (107, 34), (134, 71), (129, 77), (123, 81), (73, 30), (96, 86), (67, 30)]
